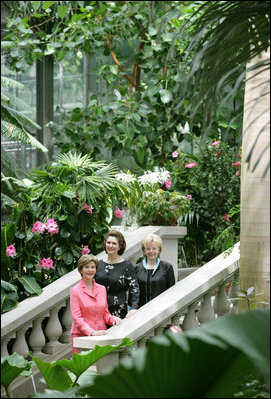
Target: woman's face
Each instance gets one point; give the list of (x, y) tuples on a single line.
[(89, 270), (112, 246), (152, 251)]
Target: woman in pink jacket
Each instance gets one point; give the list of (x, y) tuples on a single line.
[(88, 300)]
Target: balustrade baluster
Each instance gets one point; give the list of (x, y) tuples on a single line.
[(233, 292), (37, 338), (190, 319), (20, 345), (4, 344), (221, 303), (53, 331), (206, 311), (67, 322)]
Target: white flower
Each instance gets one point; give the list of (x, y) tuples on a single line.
[(125, 177), (159, 176)]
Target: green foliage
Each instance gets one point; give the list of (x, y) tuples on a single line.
[(77, 194), (162, 208), (215, 360), (55, 374), (11, 367), (9, 296), (214, 184)]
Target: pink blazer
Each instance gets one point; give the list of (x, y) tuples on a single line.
[(89, 309)]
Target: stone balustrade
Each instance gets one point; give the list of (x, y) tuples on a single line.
[(198, 298)]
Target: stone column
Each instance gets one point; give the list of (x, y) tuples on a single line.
[(170, 235)]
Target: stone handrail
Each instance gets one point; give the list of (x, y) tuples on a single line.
[(181, 300)]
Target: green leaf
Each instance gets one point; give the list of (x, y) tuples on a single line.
[(166, 96), (11, 367), (55, 376), (35, 4), (47, 4), (114, 69), (9, 297), (30, 285), (67, 258), (209, 362), (81, 362), (62, 11)]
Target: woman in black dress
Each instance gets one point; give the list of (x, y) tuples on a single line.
[(154, 275), (118, 276)]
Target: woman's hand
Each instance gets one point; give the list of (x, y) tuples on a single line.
[(99, 332), (117, 321), (130, 313)]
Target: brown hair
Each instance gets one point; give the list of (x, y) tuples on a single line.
[(84, 260), (151, 238), (121, 240)]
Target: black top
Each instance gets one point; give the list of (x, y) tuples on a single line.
[(159, 281), (118, 278)]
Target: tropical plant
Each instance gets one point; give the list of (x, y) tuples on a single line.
[(15, 125), (210, 178), (231, 45), (55, 374), (65, 207), (227, 357)]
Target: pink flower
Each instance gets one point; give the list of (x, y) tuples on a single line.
[(47, 263), (216, 142), (226, 217), (87, 208), (85, 250), (52, 227), (238, 163), (168, 184), (237, 172), (11, 251), (38, 227), (189, 196), (175, 154), (119, 213), (190, 165)]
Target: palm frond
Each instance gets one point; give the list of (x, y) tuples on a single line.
[(10, 83), (226, 36), (74, 161)]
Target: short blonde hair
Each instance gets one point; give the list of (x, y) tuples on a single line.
[(151, 238), (84, 260)]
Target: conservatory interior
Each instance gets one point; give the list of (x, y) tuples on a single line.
[(145, 117)]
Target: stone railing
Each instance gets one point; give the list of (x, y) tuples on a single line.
[(198, 298), (42, 323)]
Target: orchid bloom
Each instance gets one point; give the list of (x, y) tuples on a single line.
[(85, 250), (168, 184), (119, 213), (11, 251), (52, 227), (39, 227), (190, 165), (216, 142), (87, 208), (189, 196), (47, 263), (175, 154)]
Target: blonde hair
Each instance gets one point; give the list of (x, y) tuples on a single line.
[(151, 238), (84, 260)]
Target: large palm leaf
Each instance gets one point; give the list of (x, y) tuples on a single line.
[(226, 36)]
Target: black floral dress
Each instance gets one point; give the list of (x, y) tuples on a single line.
[(120, 281)]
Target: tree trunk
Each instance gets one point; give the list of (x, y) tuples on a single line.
[(255, 187)]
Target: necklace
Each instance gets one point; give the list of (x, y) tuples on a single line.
[(113, 261)]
